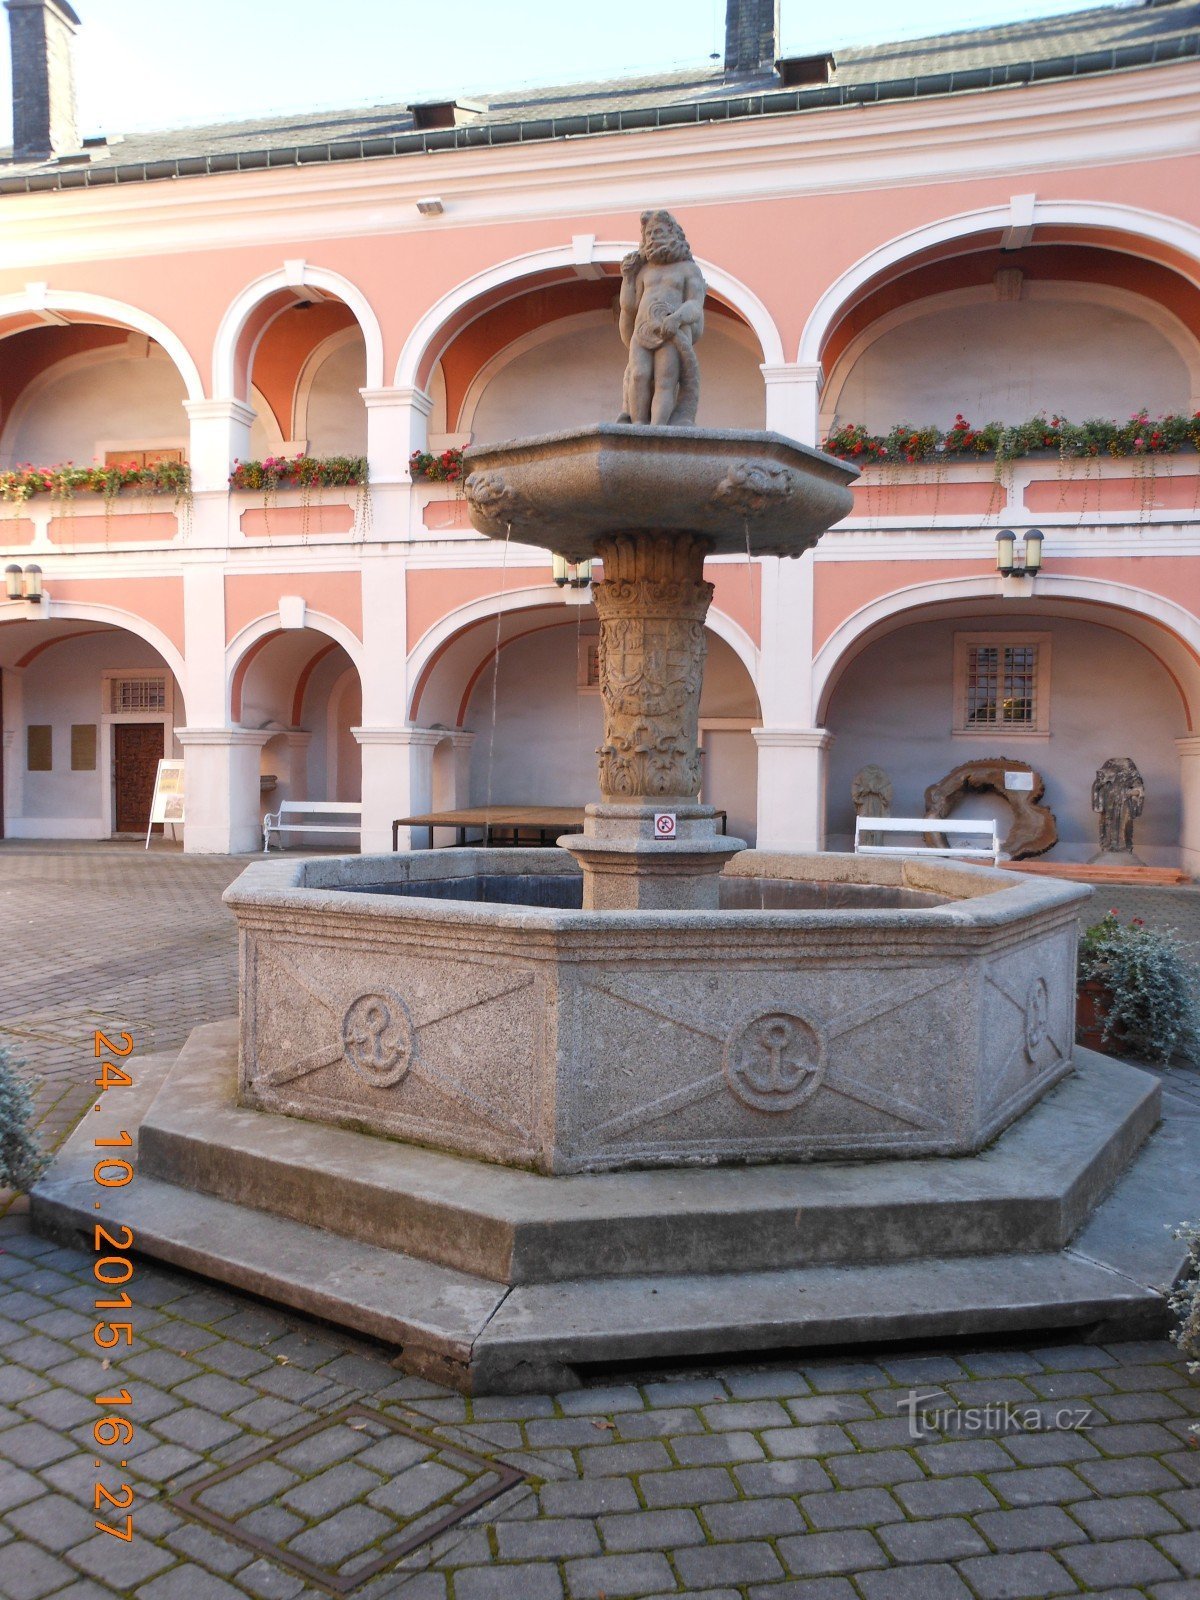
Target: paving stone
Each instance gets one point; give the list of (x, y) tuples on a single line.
[(1129, 1516), (600, 1402), (943, 1497), (123, 1566), (746, 1415), (265, 1581), (1142, 1407), (807, 1589), (652, 1530), (188, 1583), (798, 1476), (816, 1554), (618, 1460), (697, 1450), (1184, 1550), (1127, 1475), (55, 1522), (1185, 1503), (752, 1519), (337, 1538), (1131, 1561), (831, 1408), (29, 1572), (770, 1383), (689, 1486), (1034, 1486), (605, 1577), (850, 1508), (942, 1539), (816, 1441), (748, 1562), (670, 1422), (564, 1536), (1050, 1449), (876, 1467), (209, 1549), (684, 1392), (595, 1497), (196, 1429), (16, 1487), (914, 1583), (1033, 1528), (1031, 1575), (33, 1446)]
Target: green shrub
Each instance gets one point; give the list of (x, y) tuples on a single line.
[(1185, 1303), (21, 1159), (1150, 1006)]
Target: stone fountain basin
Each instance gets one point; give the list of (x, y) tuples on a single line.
[(571, 1041), (740, 489)]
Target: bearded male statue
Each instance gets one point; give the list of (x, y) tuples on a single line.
[(662, 316)]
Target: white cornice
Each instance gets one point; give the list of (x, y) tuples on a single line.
[(1109, 119)]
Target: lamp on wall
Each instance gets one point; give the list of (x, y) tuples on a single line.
[(23, 584), (1030, 563), (572, 574)]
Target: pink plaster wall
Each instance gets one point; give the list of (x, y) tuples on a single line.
[(288, 521), (149, 527), (249, 596), (158, 601), (891, 498), (1161, 488), (15, 533), (840, 588), (434, 592)]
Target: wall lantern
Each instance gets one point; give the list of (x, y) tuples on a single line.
[(572, 574), (1006, 556), (23, 584)]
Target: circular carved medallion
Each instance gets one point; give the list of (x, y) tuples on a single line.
[(1037, 1016), (378, 1038), (774, 1062)]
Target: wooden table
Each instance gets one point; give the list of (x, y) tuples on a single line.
[(504, 825)]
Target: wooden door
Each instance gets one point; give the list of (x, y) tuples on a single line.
[(137, 750)]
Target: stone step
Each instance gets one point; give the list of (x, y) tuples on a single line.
[(1030, 1192), (479, 1336)]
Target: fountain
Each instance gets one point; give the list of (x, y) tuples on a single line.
[(650, 1093)]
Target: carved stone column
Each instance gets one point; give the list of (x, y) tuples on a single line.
[(652, 605)]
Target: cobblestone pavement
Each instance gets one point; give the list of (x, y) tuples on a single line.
[(780, 1482)]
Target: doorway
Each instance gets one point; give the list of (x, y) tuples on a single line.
[(137, 750)]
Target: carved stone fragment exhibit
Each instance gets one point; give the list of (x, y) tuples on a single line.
[(1033, 830)]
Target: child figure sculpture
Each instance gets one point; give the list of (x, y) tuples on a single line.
[(662, 316)]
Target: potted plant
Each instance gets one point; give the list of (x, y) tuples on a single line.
[(1137, 992)]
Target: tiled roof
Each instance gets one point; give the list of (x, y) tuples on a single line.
[(1102, 38)]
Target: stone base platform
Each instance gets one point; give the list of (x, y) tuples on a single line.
[(498, 1280)]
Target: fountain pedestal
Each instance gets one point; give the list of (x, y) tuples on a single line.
[(649, 845)]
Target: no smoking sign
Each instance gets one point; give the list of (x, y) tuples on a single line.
[(664, 825)]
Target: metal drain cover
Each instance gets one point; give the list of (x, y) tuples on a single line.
[(344, 1497)]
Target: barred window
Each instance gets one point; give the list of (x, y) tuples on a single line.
[(139, 694), (1002, 684)]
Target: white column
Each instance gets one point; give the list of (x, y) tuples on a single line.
[(791, 787), (397, 781), (397, 424), (1189, 802), (220, 434), (297, 741), (222, 807), (461, 741), (793, 399)]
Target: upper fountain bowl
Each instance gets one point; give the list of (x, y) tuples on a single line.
[(740, 489)]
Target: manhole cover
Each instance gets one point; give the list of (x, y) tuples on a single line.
[(346, 1496)]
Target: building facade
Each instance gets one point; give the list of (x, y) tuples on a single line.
[(990, 226)]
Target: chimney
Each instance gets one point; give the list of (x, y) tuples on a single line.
[(43, 78), (751, 35)]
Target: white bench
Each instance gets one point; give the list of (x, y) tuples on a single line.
[(290, 818), (923, 825)]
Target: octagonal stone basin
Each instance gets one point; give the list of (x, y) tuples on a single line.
[(908, 1007), (741, 490)]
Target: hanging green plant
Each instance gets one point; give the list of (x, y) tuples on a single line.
[(299, 472), (65, 481), (905, 444)]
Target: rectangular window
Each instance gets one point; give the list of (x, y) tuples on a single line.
[(39, 738), (138, 694), (1002, 683), (589, 662), (141, 458), (83, 747)]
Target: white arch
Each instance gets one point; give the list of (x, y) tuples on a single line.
[(1156, 316), (840, 645), (720, 282), (262, 627), (430, 644), (295, 275), (113, 617), (36, 297), (1151, 226), (313, 362)]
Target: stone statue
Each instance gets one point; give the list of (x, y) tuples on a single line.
[(1118, 794), (662, 316), (871, 792)]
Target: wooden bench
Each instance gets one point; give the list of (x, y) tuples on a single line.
[(924, 825), (291, 814)]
